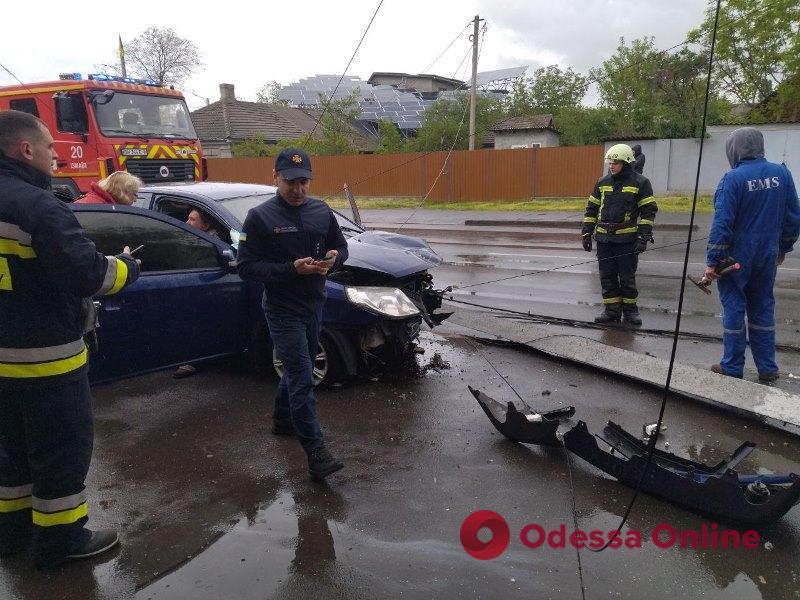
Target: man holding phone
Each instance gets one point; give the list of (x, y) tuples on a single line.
[(290, 243)]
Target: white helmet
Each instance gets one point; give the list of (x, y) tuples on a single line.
[(621, 152)]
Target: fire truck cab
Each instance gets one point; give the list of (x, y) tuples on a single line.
[(106, 123)]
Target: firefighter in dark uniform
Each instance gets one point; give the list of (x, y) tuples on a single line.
[(620, 216), (47, 271), (289, 244)]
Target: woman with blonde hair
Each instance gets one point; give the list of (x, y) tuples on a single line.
[(118, 188)]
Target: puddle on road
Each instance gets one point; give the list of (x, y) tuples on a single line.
[(253, 560)]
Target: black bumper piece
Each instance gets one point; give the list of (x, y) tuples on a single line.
[(528, 427), (717, 491)]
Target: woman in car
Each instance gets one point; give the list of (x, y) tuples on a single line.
[(118, 188)]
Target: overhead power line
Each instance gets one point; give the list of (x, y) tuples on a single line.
[(349, 62)]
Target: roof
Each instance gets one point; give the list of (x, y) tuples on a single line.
[(487, 77), (624, 136), (65, 85), (526, 123), (448, 80), (213, 190), (236, 120)]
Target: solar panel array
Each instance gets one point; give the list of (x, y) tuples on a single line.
[(377, 102)]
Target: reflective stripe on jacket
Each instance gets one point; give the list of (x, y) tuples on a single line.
[(47, 266), (621, 208)]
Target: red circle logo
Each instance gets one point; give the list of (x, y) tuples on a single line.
[(501, 535)]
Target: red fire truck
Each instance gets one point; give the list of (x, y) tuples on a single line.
[(106, 123)]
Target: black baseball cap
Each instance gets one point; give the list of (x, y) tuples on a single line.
[(293, 163)]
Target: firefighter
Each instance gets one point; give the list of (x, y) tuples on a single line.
[(47, 269), (756, 222), (620, 216)]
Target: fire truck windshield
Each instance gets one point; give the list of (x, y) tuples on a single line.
[(143, 115)]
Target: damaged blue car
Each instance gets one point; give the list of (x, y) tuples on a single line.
[(189, 305)]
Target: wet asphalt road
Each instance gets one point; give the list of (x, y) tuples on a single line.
[(212, 506), (561, 280)]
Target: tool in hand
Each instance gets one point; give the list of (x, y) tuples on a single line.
[(725, 266)]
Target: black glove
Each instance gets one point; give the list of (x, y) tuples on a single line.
[(587, 242), (640, 245)]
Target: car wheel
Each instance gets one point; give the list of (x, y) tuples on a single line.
[(327, 367)]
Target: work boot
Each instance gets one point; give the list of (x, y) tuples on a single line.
[(98, 542), (720, 371), (767, 377), (321, 464), (282, 427), (611, 314), (631, 316)]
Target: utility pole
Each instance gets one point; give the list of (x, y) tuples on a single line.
[(473, 90)]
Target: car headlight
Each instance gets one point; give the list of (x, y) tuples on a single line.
[(390, 302)]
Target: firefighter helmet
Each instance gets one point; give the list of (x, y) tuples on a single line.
[(621, 152)]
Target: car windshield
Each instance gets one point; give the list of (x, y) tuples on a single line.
[(238, 207), (144, 115)]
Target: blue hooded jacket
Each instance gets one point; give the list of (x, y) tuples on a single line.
[(756, 210)]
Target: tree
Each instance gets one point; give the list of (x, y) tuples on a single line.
[(336, 124), (269, 94), (334, 134), (445, 123), (160, 54), (255, 145), (581, 126), (654, 93), (391, 140), (548, 91), (758, 48)]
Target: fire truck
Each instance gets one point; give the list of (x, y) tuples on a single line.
[(107, 123)]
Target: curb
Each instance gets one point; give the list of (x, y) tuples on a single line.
[(768, 405), (560, 224)]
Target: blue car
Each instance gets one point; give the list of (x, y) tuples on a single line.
[(189, 305)]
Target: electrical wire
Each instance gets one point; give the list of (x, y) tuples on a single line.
[(651, 446), (687, 41), (576, 323), (452, 147), (352, 57), (577, 264), (411, 160), (588, 83), (455, 39)]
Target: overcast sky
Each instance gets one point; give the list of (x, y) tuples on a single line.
[(250, 43)]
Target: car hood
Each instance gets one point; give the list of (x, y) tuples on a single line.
[(391, 253)]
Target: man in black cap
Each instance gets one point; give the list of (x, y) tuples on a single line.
[(289, 244)]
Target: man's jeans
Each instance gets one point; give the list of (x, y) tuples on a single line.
[(295, 338)]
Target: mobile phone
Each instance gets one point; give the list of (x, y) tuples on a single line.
[(135, 250), (319, 251)]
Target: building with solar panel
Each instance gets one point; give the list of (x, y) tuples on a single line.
[(401, 98)]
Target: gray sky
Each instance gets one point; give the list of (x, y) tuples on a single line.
[(250, 43)]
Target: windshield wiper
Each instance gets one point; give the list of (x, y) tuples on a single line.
[(141, 136)]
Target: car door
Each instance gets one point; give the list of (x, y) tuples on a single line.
[(188, 304)]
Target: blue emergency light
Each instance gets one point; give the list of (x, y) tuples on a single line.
[(105, 77), (69, 76)]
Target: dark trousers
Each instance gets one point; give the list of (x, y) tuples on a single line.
[(617, 264), (295, 338), (46, 437)]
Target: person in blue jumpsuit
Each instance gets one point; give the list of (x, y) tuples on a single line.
[(756, 222), (289, 243)]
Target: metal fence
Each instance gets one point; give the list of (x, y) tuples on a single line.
[(466, 176)]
